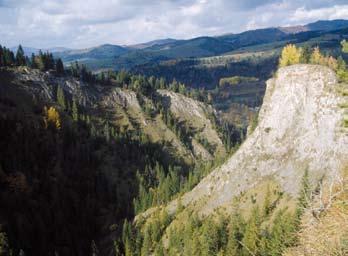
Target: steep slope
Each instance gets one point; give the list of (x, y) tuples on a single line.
[(77, 178), (326, 234), (125, 109), (299, 128), (196, 116)]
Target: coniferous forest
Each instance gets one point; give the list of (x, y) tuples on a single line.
[(174, 146)]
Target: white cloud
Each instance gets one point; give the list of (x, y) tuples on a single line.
[(84, 23), (302, 15)]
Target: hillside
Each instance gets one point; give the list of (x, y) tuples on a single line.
[(300, 136), (69, 146), (293, 122), (122, 57)]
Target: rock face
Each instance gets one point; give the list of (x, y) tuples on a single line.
[(123, 108), (299, 128), (196, 115)]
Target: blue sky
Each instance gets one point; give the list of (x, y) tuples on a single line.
[(86, 23)]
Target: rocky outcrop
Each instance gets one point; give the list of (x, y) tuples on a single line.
[(196, 115), (299, 128), (125, 110)]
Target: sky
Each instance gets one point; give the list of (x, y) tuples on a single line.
[(87, 23)]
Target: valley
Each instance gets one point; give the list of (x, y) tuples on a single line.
[(216, 145)]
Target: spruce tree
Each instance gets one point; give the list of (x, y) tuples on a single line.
[(59, 67), (235, 234), (20, 57), (250, 240), (1, 56), (304, 195), (75, 111), (61, 97), (146, 246)]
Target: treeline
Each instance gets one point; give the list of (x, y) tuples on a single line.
[(43, 61), (307, 55), (268, 230), (158, 185)]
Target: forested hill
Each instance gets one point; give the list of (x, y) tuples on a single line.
[(82, 152), (286, 176)]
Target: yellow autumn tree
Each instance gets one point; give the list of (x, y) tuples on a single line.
[(52, 117), (290, 55), (316, 57), (332, 63)]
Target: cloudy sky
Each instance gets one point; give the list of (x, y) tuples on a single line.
[(85, 23)]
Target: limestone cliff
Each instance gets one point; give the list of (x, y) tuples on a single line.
[(300, 127)]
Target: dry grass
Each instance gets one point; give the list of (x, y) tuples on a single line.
[(326, 234)]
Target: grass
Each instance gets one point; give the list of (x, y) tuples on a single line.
[(327, 234)]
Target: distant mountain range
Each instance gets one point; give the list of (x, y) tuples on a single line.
[(117, 57)]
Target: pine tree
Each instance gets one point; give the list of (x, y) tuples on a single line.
[(20, 57), (267, 205), (75, 111), (235, 234), (251, 236), (146, 246), (1, 57), (306, 54), (59, 67), (107, 131), (61, 97), (209, 238), (33, 61), (282, 234), (304, 196)]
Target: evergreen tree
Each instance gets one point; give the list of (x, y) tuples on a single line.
[(1, 57), (33, 63), (304, 196), (20, 57), (75, 111), (235, 234), (209, 238), (306, 54), (146, 246), (267, 205), (61, 97), (59, 67), (251, 236), (107, 131), (282, 234)]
